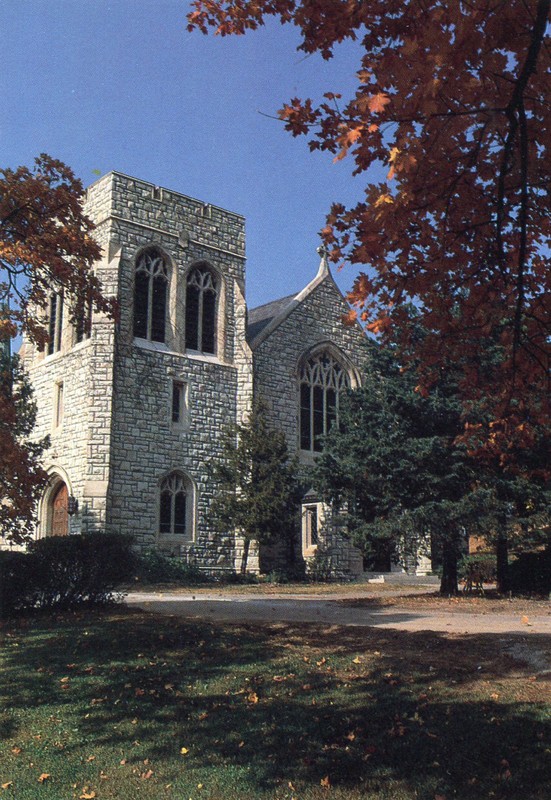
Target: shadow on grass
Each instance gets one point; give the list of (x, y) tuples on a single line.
[(286, 703)]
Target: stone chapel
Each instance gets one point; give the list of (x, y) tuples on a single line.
[(135, 409)]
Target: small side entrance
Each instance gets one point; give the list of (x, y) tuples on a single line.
[(58, 516)]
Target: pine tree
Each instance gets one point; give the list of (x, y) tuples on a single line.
[(400, 464), (258, 487), (394, 464)]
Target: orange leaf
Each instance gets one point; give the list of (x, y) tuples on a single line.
[(43, 777), (325, 782), (377, 102)]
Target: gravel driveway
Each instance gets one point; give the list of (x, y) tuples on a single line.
[(230, 607)]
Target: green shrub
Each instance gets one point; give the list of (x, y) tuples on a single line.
[(320, 567), (292, 573), (151, 566), (530, 573), (240, 578), (19, 581), (477, 569), (79, 569), (65, 571)]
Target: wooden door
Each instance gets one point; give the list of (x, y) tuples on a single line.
[(60, 516)]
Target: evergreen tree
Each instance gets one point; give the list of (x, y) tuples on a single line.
[(401, 466), (258, 486), (393, 463)]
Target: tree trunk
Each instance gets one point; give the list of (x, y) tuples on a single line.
[(502, 563), (448, 582), (245, 557)]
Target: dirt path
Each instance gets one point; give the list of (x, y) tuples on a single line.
[(338, 611)]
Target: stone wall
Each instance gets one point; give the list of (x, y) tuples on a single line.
[(145, 445), (315, 320)]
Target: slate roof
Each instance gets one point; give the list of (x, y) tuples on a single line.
[(261, 316)]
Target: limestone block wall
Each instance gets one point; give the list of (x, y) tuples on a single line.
[(80, 444), (317, 319), (79, 450), (145, 445), (314, 321)]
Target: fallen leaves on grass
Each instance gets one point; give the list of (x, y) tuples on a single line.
[(326, 782), (44, 777)]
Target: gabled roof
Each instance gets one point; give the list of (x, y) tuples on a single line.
[(261, 316), (262, 320)]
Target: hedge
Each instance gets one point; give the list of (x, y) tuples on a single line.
[(64, 572)]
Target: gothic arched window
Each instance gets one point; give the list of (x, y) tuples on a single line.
[(150, 296), (174, 509), (322, 379), (201, 308)]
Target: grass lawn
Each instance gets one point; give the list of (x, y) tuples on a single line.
[(122, 704)]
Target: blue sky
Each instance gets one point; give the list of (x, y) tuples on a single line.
[(122, 85)]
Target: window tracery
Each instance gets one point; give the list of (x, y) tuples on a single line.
[(322, 380), (173, 511), (201, 309), (150, 296)]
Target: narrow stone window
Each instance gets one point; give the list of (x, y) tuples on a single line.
[(83, 325), (55, 322), (201, 310), (58, 405), (173, 512), (310, 527), (150, 296), (322, 379), (179, 402)]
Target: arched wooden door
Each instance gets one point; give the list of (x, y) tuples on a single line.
[(59, 512)]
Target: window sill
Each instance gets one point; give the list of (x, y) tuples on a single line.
[(49, 357), (193, 355), (209, 358), (82, 344)]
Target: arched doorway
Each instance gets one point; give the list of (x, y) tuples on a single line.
[(58, 512)]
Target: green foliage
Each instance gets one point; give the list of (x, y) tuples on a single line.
[(320, 567), (240, 578), (393, 464), (477, 569), (151, 566), (19, 581), (400, 467), (258, 487), (65, 572), (292, 573), (530, 573)]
